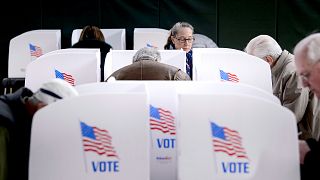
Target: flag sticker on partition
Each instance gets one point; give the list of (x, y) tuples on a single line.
[(162, 120), (229, 154), (227, 141), (97, 140), (150, 45), (64, 76), (35, 50), (226, 76)]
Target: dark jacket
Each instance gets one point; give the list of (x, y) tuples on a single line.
[(310, 168), (149, 70), (104, 49), (15, 121)]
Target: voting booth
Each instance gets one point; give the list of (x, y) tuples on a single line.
[(117, 59), (150, 37), (28, 46), (76, 66), (91, 137), (208, 130), (163, 128), (111, 87), (162, 104), (213, 87), (115, 37), (235, 137), (224, 64)]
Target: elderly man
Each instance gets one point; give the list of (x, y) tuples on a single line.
[(285, 83), (16, 113), (146, 66), (307, 58)]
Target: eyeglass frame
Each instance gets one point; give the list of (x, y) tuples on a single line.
[(184, 40)]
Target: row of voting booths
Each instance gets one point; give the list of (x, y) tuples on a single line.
[(30, 45), (165, 130), (209, 64), (225, 124)]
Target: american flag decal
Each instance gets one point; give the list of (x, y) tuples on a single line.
[(35, 51), (162, 120), (225, 76), (150, 45), (227, 141), (97, 140), (65, 76)]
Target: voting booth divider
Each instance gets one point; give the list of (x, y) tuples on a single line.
[(115, 37), (150, 37), (225, 64), (92, 137), (28, 46), (195, 130), (117, 59), (235, 137), (76, 66), (162, 102)]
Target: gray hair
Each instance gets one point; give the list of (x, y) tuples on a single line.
[(262, 46), (175, 29), (147, 53), (310, 46)]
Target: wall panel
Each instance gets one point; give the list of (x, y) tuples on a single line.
[(297, 18), (241, 20), (202, 15), (69, 15)]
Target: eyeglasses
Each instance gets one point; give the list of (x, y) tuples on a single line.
[(184, 40)]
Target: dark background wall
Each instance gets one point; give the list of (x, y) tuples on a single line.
[(230, 23)]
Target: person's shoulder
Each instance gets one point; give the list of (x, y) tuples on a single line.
[(178, 73), (181, 76)]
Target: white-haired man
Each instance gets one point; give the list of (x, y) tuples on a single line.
[(285, 83), (16, 113), (307, 58), (146, 66)]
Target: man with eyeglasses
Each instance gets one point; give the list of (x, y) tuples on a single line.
[(307, 58), (286, 84)]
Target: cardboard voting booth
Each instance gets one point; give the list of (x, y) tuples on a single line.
[(91, 137), (111, 87), (28, 46), (117, 59), (76, 66), (162, 117), (223, 64), (213, 87), (150, 37), (163, 128), (162, 104), (115, 37), (235, 137)]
